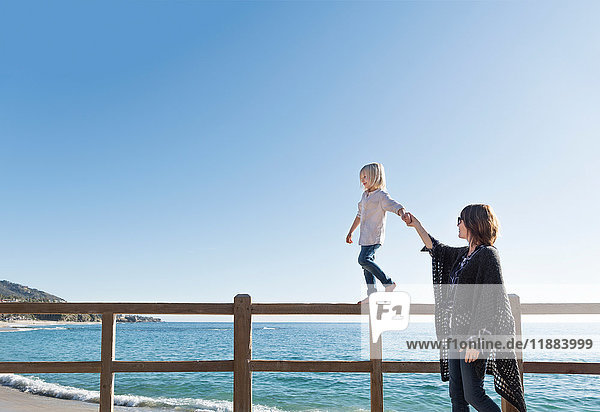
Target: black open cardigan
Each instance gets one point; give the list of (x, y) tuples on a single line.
[(491, 305)]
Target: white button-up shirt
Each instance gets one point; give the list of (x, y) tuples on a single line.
[(371, 211)]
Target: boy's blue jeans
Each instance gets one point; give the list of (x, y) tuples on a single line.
[(366, 259), (466, 384)]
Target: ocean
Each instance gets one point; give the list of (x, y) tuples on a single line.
[(276, 391)]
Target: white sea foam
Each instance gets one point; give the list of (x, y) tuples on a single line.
[(37, 386), (18, 329), (21, 328)]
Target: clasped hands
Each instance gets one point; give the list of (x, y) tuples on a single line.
[(408, 218)]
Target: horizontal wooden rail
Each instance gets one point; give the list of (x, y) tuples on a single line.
[(309, 366), (560, 308), (572, 368), (173, 366), (326, 309), (261, 308), (575, 368), (305, 309), (117, 366), (129, 308), (50, 367), (411, 367)]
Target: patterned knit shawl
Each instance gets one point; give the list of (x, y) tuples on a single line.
[(483, 308)]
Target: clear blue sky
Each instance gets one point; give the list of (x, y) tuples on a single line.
[(190, 151)]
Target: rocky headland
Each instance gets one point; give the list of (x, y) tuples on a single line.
[(13, 292)]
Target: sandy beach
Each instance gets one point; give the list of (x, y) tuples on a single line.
[(13, 400)]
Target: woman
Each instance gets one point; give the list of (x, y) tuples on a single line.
[(470, 305)]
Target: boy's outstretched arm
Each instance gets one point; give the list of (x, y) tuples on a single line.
[(401, 212), (352, 229), (390, 205)]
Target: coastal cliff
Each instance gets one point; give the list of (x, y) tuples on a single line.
[(13, 292)]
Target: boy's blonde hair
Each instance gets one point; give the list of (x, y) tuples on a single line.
[(375, 175)]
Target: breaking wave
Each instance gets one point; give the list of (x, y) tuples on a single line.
[(38, 386)]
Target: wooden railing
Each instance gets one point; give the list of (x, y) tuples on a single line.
[(243, 365)]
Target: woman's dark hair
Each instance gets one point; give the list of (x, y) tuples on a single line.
[(482, 224)]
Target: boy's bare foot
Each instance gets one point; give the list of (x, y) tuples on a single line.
[(364, 301), (390, 288)]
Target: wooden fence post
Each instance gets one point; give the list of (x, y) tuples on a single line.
[(107, 356), (376, 355), (515, 307), (242, 353)]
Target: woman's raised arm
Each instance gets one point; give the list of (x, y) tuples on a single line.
[(412, 221)]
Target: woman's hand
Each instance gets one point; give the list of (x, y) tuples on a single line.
[(349, 238), (410, 220), (471, 355)]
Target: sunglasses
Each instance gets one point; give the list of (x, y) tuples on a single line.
[(460, 219)]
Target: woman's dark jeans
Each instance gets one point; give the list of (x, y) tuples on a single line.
[(366, 259), (466, 384)]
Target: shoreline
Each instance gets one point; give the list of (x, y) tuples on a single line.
[(24, 325), (13, 400), (28, 322)]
